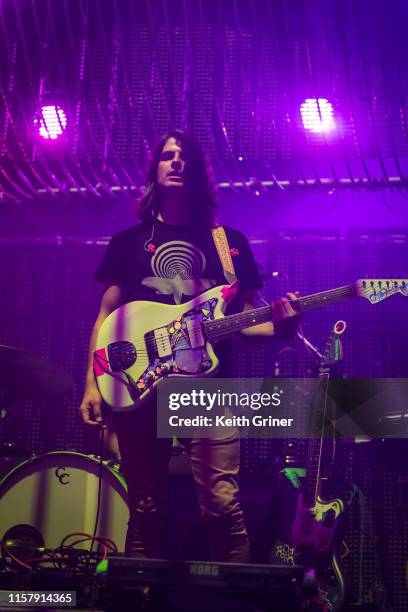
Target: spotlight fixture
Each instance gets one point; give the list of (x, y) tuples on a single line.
[(317, 115), (51, 121)]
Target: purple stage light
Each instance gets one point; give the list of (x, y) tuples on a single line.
[(317, 115), (51, 121)]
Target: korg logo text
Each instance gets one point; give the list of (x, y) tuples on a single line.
[(199, 569)]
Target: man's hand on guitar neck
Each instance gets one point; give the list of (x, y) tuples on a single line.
[(286, 316)]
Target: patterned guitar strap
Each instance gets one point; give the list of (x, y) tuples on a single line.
[(223, 250)]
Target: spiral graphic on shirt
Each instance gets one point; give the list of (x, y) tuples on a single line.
[(178, 259)]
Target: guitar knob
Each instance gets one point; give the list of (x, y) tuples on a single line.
[(165, 369), (150, 377)]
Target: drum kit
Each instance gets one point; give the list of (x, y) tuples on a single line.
[(46, 497)]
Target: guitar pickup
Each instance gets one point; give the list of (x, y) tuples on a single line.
[(162, 340), (195, 333)]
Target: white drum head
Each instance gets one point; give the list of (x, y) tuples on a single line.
[(57, 494)]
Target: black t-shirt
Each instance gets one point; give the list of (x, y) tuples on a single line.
[(182, 262)]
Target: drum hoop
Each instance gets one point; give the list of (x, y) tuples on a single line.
[(36, 458)]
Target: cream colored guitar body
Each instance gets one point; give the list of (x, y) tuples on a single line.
[(141, 343)]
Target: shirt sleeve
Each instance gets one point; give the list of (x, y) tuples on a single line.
[(112, 268), (246, 269)]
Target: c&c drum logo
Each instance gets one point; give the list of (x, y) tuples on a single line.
[(62, 475)]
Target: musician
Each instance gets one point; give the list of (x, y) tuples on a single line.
[(170, 257)]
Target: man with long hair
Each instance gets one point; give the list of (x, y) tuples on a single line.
[(171, 257)]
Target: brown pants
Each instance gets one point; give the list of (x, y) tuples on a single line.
[(215, 466)]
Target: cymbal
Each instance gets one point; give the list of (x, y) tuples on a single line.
[(24, 375)]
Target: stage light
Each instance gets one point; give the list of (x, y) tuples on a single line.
[(317, 115), (51, 121)]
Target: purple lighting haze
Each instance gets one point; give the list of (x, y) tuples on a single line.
[(52, 122), (317, 115)]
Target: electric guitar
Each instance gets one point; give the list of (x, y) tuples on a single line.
[(312, 526), (141, 343)]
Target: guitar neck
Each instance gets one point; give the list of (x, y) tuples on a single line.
[(330, 296), (222, 328), (332, 354), (310, 487)]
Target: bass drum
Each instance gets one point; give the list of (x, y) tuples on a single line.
[(55, 494)]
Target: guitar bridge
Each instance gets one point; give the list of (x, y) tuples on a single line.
[(195, 333)]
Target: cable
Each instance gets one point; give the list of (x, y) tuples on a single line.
[(14, 558), (93, 540), (98, 507), (67, 557), (149, 241), (107, 545), (86, 536), (129, 380)]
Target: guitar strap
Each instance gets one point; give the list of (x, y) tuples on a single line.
[(223, 250)]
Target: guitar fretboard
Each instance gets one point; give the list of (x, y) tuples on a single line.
[(222, 328), (325, 297), (311, 482)]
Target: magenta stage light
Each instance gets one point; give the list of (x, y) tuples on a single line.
[(317, 115), (51, 121)]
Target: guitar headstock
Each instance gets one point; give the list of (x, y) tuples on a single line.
[(333, 351), (377, 289)]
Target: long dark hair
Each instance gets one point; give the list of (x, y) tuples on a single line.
[(197, 180)]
